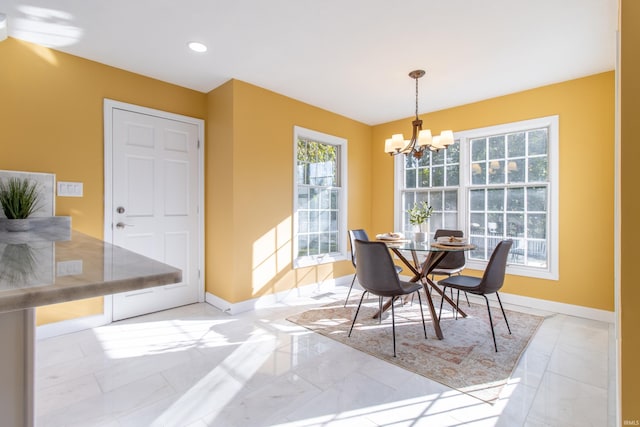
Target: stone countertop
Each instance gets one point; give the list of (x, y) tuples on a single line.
[(35, 272)]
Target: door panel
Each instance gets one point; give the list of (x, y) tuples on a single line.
[(155, 204), (140, 186), (176, 191)]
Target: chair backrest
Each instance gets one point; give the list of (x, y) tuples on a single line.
[(357, 234), (375, 269), (453, 259), (493, 277)]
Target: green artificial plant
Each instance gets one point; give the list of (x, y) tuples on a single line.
[(419, 213), (18, 197)]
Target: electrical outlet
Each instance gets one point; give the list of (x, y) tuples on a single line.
[(70, 189)]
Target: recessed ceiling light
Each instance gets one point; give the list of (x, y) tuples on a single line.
[(197, 47)]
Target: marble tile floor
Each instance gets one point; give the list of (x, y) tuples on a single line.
[(196, 366)]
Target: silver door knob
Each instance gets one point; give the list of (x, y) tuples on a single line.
[(122, 225)]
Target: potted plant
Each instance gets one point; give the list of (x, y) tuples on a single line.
[(19, 199), (419, 214)]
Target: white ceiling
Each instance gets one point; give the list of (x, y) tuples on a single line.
[(350, 57)]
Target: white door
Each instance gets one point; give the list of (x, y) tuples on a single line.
[(155, 194)]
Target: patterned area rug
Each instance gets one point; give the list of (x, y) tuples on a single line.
[(464, 360)]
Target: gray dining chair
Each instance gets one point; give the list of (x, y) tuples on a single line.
[(358, 234), (453, 262), (377, 274), (490, 282)]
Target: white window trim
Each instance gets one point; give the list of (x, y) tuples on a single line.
[(342, 255), (552, 122)]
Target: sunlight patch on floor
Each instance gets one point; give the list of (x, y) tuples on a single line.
[(152, 338), (215, 390)]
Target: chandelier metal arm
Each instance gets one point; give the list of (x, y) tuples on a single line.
[(411, 146)]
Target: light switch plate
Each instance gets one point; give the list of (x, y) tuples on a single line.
[(69, 268), (70, 189)]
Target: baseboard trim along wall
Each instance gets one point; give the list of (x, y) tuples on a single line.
[(316, 289), (559, 307), (279, 297), (72, 325)]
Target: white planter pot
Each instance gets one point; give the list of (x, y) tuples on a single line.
[(18, 224), (422, 232)]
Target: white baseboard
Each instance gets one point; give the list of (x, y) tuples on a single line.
[(272, 299), (72, 325), (552, 306), (559, 307), (508, 299)]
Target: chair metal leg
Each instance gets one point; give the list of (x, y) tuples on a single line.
[(503, 313), (455, 309), (455, 312), (356, 315), (491, 323), (380, 310), (393, 325), (422, 314), (350, 287)]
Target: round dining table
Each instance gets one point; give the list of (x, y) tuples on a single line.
[(433, 253)]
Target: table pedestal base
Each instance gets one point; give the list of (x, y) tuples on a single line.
[(421, 274)]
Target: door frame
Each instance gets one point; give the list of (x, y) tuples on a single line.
[(109, 106)]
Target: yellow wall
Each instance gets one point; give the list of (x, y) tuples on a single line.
[(219, 185), (629, 314), (53, 107), (249, 204), (586, 115), (51, 118)]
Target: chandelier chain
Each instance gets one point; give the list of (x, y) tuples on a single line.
[(416, 79)]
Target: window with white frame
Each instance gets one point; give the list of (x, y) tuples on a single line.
[(494, 183), (435, 179), (320, 197)]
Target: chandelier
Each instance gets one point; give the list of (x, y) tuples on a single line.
[(421, 139)]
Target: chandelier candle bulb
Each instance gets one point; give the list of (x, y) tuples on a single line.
[(388, 148), (446, 138), (425, 138), (397, 141), (437, 144)]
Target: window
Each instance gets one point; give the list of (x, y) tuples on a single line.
[(493, 183), (319, 198), (434, 178)]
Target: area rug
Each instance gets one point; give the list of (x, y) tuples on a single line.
[(464, 359)]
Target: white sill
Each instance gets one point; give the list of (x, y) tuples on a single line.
[(313, 261), (517, 270)]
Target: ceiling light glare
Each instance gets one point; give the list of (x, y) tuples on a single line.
[(197, 47)]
